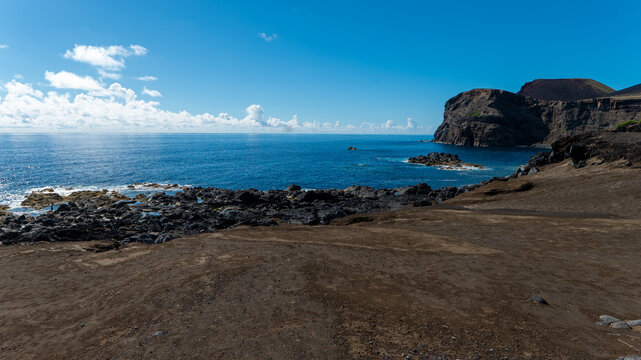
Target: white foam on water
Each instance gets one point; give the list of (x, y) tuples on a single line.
[(14, 200), (461, 168), (451, 167)]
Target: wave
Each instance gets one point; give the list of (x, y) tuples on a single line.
[(452, 167), (462, 168)]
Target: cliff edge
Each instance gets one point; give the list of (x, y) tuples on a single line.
[(491, 117)]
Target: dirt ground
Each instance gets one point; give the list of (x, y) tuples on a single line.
[(444, 282)]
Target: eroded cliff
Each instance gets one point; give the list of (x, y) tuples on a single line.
[(490, 117)]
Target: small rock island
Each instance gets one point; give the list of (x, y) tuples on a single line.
[(443, 160)]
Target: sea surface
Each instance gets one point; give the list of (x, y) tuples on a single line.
[(235, 161)]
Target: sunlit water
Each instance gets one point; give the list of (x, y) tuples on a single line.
[(234, 161)]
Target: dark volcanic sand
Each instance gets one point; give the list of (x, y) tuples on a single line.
[(451, 279)]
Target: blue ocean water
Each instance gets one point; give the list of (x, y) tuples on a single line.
[(234, 161)]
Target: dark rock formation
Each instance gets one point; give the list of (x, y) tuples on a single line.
[(352, 148), (606, 146), (161, 217), (589, 148), (441, 159), (489, 117), (43, 199)]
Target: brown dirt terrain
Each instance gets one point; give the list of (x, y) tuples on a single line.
[(449, 281)]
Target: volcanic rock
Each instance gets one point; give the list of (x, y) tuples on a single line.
[(491, 117), (441, 159)]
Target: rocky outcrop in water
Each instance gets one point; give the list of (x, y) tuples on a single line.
[(442, 159), (490, 117), (161, 217)]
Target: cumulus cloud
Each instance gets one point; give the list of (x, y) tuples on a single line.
[(147, 78), (4, 46), (67, 80), (268, 38), (118, 108), (110, 58), (112, 108), (95, 106), (411, 124), (152, 93)]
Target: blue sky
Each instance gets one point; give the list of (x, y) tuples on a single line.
[(358, 63)]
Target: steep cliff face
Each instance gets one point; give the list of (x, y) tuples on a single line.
[(489, 117)]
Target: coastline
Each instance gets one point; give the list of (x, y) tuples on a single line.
[(178, 211), (447, 281), (463, 278)]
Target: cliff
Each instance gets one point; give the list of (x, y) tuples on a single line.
[(490, 117)]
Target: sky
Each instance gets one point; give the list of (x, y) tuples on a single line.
[(292, 66)]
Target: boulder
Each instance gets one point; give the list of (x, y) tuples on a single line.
[(292, 188), (418, 189), (538, 299), (4, 210), (620, 325), (607, 320), (41, 200)]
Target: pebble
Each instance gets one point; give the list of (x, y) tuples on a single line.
[(630, 357), (538, 299), (158, 333)]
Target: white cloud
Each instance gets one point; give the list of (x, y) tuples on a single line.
[(106, 57), (4, 46), (116, 108), (389, 126), (152, 93), (67, 80), (108, 75), (268, 38), (113, 108), (411, 124), (138, 50), (147, 78)]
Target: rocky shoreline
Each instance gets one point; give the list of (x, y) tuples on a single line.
[(103, 215)]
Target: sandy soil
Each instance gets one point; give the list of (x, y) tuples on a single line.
[(448, 281)]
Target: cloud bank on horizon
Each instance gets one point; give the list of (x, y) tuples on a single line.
[(77, 102)]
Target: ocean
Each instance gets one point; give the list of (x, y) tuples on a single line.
[(71, 162)]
